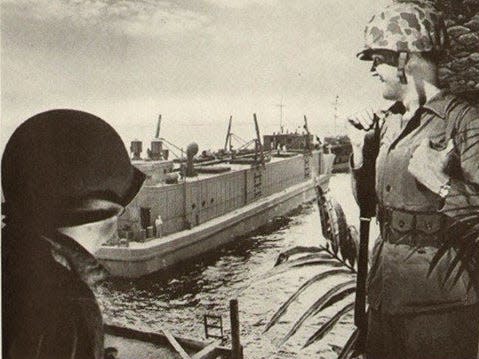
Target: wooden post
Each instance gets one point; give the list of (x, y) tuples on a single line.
[(174, 343), (236, 349)]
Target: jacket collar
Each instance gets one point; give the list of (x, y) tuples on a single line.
[(74, 257), (440, 103)]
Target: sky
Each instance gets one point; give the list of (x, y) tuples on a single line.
[(195, 62)]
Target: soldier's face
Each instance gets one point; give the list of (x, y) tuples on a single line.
[(392, 89)]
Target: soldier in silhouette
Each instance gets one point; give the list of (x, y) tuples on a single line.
[(66, 176)]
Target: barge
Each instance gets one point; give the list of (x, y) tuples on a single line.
[(184, 212)]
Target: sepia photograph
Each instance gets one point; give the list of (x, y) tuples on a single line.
[(239, 179)]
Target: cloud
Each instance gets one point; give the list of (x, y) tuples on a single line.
[(144, 18), (240, 4), (197, 60)]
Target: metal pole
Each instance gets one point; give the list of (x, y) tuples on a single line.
[(360, 315), (158, 127), (336, 115), (236, 349), (258, 140), (228, 135), (281, 115), (366, 211)]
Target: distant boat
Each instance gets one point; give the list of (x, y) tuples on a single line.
[(341, 147), (189, 208)]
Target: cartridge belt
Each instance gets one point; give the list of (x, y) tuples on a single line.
[(412, 228)]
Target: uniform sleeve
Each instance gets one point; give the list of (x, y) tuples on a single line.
[(462, 202)]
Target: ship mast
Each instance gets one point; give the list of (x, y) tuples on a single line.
[(281, 105), (228, 135), (336, 106), (258, 144), (306, 128), (158, 127)]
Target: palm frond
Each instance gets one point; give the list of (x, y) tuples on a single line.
[(463, 242), (467, 261), (322, 254), (348, 348), (284, 307), (350, 253), (340, 250), (336, 298), (284, 256), (447, 245), (317, 306), (326, 327), (309, 260)]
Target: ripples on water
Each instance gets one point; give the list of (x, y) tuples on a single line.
[(178, 299)]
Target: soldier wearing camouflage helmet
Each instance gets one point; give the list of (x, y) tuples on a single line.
[(424, 192)]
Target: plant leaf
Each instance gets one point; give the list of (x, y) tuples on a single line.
[(330, 262), (317, 305), (321, 260), (467, 251), (326, 327), (284, 256), (348, 347), (464, 256), (284, 307), (337, 297), (352, 250), (440, 253)]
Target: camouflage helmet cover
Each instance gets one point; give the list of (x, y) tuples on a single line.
[(405, 27)]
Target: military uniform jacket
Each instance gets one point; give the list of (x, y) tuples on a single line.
[(399, 279), (48, 308)]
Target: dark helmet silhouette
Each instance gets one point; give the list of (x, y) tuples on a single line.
[(58, 160)]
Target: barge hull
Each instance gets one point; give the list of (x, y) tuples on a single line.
[(160, 253)]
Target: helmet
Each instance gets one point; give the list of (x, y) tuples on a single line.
[(58, 160), (405, 27)]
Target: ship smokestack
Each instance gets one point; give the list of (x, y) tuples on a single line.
[(156, 152), (191, 151), (136, 147)]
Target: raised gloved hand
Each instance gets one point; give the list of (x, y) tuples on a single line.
[(364, 136)]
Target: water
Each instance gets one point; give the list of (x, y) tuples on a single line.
[(177, 300)]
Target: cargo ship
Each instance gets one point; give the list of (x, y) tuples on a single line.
[(189, 207)]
